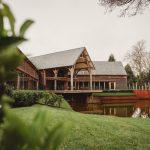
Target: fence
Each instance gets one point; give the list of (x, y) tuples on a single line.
[(136, 86)]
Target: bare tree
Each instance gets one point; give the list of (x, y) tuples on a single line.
[(137, 58), (147, 61), (128, 7)]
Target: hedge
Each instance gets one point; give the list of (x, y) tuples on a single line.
[(30, 97), (114, 94)]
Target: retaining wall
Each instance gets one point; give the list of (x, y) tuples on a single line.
[(142, 93)]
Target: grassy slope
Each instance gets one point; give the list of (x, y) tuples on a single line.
[(90, 132)]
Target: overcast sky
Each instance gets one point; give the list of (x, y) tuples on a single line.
[(66, 24)]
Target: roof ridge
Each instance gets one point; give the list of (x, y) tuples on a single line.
[(106, 61), (57, 52)]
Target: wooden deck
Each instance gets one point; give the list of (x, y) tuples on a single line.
[(74, 91)]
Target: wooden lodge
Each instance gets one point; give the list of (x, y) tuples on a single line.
[(74, 70)]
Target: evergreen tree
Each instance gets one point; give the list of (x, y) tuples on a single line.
[(147, 77), (111, 58), (130, 75)]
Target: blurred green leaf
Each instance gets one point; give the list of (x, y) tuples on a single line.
[(11, 58), (1, 24), (9, 15), (24, 27), (6, 99), (15, 132), (55, 136), (17, 135), (7, 42)]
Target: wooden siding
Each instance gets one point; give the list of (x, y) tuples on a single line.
[(121, 81), (27, 68)]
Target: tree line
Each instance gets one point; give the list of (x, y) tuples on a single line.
[(138, 66)]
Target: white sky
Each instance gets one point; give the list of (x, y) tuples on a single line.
[(66, 24)]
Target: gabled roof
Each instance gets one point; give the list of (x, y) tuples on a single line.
[(27, 59), (57, 59), (107, 68)]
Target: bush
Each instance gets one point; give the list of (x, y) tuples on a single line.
[(52, 99), (25, 97), (30, 97)]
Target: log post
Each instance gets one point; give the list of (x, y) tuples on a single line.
[(18, 81), (44, 78), (37, 85), (104, 86), (55, 71), (110, 111), (71, 76), (99, 86), (23, 81), (90, 72), (109, 85), (114, 85)]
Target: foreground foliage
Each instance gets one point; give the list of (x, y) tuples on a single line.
[(10, 58), (15, 135), (18, 135), (91, 132)]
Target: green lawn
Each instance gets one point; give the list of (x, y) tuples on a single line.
[(94, 132), (114, 94)]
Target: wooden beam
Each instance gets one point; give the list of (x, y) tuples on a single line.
[(71, 76), (37, 85), (55, 81), (90, 72), (18, 81), (44, 78)]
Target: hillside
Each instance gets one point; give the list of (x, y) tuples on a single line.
[(90, 132)]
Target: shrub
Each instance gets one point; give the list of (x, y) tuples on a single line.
[(26, 97), (52, 99), (30, 97)]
